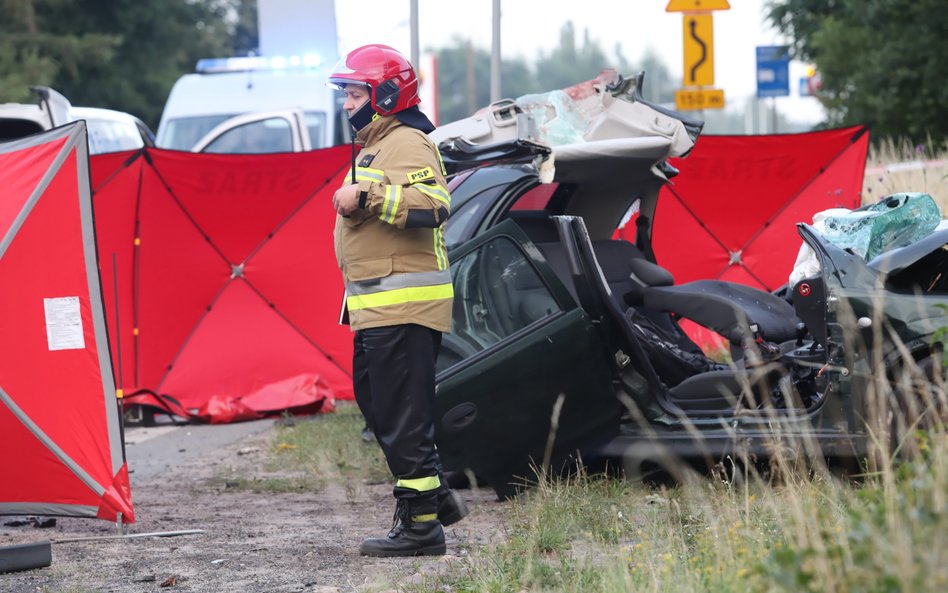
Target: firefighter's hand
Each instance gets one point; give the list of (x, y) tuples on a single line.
[(346, 199)]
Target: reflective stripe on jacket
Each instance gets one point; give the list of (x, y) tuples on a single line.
[(391, 249)]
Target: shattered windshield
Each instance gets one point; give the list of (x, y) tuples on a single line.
[(895, 221)]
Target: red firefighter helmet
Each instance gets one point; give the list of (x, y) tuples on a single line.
[(393, 85)]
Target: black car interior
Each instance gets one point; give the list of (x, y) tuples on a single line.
[(643, 302)]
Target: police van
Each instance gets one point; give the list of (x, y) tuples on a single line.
[(253, 104)]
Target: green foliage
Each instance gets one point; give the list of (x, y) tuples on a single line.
[(659, 85), (21, 68), (122, 54), (31, 55), (464, 79), (872, 59), (464, 72), (569, 62)]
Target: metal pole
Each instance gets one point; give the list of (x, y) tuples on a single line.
[(413, 20), (471, 91), (495, 55), (761, 116), (773, 115)]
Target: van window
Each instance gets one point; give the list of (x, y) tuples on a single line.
[(264, 136), (184, 132), (316, 126)]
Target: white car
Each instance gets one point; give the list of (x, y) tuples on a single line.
[(108, 130), (253, 105)]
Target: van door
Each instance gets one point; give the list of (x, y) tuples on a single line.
[(258, 133)]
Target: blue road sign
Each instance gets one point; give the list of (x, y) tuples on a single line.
[(773, 71)]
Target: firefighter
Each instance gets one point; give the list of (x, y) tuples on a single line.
[(390, 247)]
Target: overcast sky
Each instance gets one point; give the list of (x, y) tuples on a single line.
[(529, 27)]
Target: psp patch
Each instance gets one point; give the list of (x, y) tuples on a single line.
[(420, 175), (367, 160)]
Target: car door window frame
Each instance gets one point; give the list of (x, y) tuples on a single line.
[(242, 128), (551, 284)]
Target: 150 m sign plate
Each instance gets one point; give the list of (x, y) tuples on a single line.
[(696, 99)]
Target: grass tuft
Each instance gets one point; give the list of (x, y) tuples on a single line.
[(893, 167), (306, 454)]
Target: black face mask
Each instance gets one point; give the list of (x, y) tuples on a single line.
[(362, 117)]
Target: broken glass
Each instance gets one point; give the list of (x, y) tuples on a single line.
[(555, 116), (894, 221)]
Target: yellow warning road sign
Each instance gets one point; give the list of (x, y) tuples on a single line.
[(698, 35), (696, 5), (688, 99)]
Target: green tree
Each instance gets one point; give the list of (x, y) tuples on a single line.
[(569, 62), (464, 79), (659, 86), (121, 54), (879, 61), (464, 72), (31, 55), (246, 34)]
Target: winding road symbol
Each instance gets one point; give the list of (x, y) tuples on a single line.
[(693, 28), (697, 32)]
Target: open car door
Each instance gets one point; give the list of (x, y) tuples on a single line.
[(258, 133), (524, 379)]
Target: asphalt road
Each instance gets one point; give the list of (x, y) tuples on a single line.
[(152, 450)]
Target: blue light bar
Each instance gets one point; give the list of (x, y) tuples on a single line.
[(250, 63)]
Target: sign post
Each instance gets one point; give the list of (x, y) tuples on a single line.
[(773, 76), (773, 71), (698, 63)]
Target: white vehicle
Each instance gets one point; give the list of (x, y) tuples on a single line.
[(259, 132), (253, 105), (113, 131), (108, 130)]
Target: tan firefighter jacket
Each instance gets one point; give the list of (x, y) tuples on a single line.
[(391, 248)]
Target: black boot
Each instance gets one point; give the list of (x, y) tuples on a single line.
[(412, 535), (451, 507)]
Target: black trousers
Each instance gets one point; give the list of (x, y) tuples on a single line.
[(393, 375)]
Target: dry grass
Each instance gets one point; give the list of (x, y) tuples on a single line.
[(794, 527), (895, 168)]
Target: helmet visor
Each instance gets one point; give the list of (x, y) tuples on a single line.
[(342, 75), (340, 83)]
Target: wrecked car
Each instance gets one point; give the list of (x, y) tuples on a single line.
[(565, 341)]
